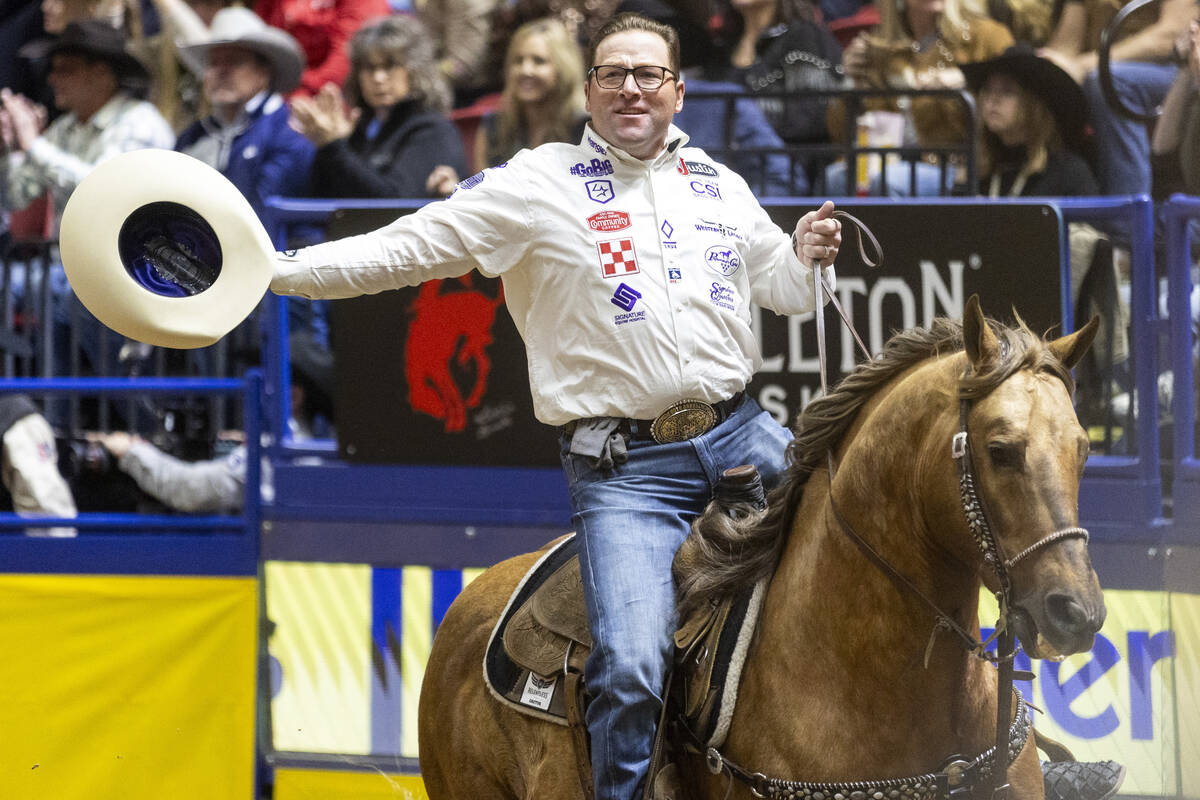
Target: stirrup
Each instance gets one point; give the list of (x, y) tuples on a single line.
[(1082, 780)]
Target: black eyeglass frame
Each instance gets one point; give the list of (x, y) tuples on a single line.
[(627, 71)]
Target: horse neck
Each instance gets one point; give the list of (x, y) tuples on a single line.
[(870, 635)]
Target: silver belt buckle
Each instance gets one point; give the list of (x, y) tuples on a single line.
[(684, 420)]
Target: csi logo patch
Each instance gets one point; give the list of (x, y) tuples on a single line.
[(608, 221), (721, 296), (705, 189), (600, 191), (626, 297), (722, 260), (617, 257), (593, 170)]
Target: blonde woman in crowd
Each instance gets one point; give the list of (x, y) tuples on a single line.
[(542, 99), (919, 45)]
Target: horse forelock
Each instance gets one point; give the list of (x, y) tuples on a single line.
[(722, 556)]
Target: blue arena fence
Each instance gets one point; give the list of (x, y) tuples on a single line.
[(1122, 495), (125, 544), (1179, 214)]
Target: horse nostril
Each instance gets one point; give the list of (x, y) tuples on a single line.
[(1067, 614)]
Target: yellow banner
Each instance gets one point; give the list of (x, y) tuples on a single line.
[(130, 687)]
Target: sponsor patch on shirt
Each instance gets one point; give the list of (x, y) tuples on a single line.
[(722, 260), (697, 168), (705, 189), (600, 191), (617, 258), (625, 298), (721, 296), (608, 221), (594, 169), (471, 182), (667, 229), (674, 274), (596, 146), (719, 228)]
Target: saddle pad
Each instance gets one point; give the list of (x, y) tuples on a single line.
[(514, 685), (712, 664)]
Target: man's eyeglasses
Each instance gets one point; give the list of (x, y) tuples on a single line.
[(648, 78)]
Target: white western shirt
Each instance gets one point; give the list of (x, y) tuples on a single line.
[(630, 281)]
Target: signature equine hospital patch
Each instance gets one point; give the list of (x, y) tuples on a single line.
[(721, 296)]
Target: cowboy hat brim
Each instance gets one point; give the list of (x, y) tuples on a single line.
[(163, 249), (278, 47)]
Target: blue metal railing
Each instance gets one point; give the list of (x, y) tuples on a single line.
[(1178, 213), (118, 542)]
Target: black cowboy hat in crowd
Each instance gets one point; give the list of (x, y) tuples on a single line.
[(1042, 77), (99, 40)]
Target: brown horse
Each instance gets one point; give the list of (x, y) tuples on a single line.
[(844, 679)]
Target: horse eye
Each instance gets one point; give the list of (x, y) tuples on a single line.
[(1007, 456)]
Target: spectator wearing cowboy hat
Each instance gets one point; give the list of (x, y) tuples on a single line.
[(99, 85), (1032, 131), (248, 66)]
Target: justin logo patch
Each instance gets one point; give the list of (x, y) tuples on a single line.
[(617, 258)]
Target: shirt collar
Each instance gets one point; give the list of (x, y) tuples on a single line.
[(107, 113), (676, 139)]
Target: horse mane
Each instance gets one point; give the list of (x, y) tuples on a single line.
[(724, 554)]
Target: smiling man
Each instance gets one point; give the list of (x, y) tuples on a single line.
[(629, 263)]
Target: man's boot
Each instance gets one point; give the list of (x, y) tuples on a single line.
[(1082, 780)]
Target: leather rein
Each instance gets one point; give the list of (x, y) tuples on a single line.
[(956, 777)]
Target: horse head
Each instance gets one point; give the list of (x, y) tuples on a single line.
[(1028, 452)]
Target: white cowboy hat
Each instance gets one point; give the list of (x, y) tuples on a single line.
[(242, 27), (163, 249)]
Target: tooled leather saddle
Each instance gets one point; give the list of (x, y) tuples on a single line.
[(536, 655)]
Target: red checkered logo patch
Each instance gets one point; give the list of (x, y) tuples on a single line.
[(617, 257)]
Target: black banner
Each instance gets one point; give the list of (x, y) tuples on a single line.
[(436, 374)]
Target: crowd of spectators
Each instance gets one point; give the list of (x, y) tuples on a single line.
[(370, 86), (403, 99)]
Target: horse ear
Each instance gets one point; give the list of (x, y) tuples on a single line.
[(1069, 349), (978, 338)]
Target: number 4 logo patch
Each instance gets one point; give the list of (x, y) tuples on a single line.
[(617, 257)]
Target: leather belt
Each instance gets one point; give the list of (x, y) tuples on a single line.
[(681, 421)]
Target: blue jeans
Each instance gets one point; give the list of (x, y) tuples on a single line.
[(630, 521), (1123, 145)]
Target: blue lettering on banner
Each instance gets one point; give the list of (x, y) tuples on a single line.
[(721, 296), (700, 168), (593, 170), (600, 191), (1144, 650), (626, 297), (705, 189), (722, 260)]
